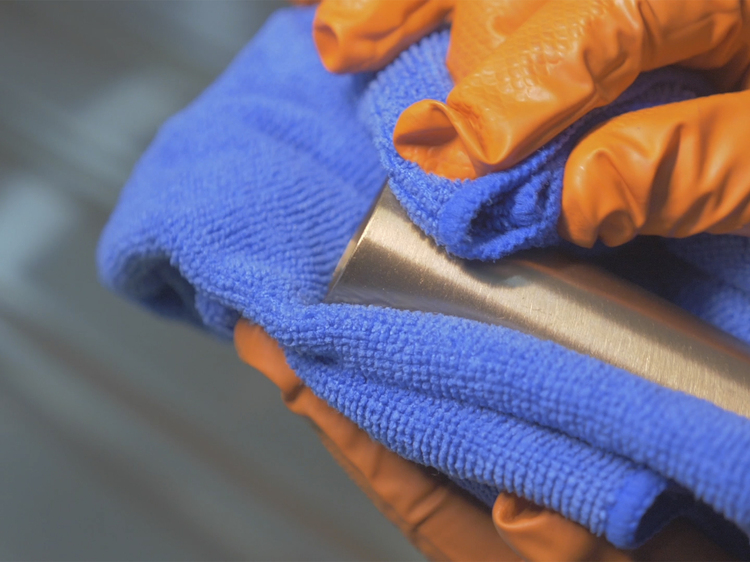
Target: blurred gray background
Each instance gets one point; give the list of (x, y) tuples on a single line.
[(123, 436)]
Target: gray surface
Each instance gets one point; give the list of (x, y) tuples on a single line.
[(123, 436)]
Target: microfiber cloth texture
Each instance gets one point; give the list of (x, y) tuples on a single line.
[(245, 201)]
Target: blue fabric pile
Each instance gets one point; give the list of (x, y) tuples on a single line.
[(245, 201)]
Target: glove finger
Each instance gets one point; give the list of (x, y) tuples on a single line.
[(554, 69), (481, 27), (673, 171), (565, 60), (541, 534), (354, 36)]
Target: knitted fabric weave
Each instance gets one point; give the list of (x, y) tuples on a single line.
[(244, 203)]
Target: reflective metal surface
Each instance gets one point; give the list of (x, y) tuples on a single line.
[(390, 262)]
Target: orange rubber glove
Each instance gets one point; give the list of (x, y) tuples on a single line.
[(526, 69), (443, 521)]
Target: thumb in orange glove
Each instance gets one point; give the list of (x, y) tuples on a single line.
[(527, 69)]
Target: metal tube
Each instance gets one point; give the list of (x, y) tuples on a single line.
[(550, 295)]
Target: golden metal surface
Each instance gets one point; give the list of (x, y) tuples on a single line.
[(390, 262)]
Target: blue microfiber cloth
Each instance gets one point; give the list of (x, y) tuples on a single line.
[(245, 201)]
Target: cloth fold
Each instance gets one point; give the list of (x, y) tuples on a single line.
[(495, 215), (243, 205)]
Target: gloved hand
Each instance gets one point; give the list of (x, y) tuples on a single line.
[(526, 69), (244, 204), (438, 518)]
